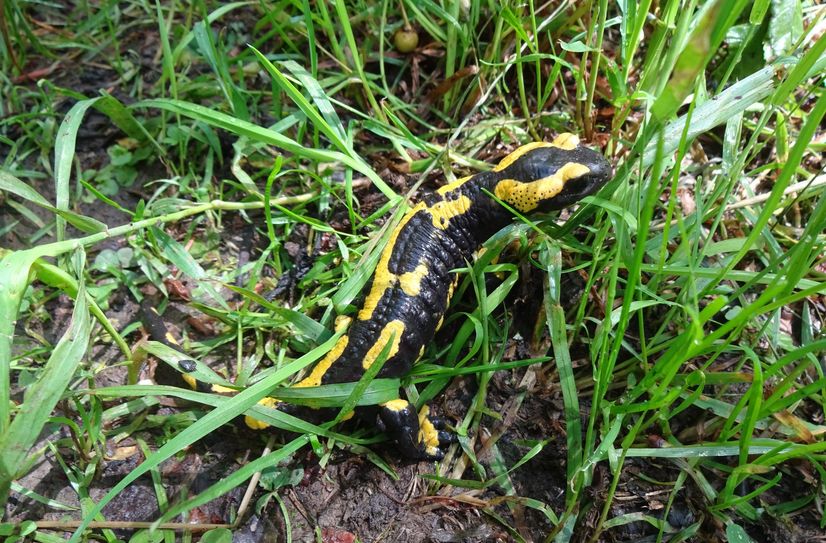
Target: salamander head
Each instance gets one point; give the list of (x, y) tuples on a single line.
[(548, 176)]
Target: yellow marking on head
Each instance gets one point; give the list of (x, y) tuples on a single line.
[(396, 405), (393, 329), (170, 338), (428, 434), (566, 141), (314, 379), (256, 424), (445, 210), (453, 186), (411, 282), (519, 153), (526, 197), (191, 381)]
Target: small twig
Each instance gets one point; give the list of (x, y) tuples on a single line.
[(253, 484)]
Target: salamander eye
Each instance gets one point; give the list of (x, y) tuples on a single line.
[(575, 189)]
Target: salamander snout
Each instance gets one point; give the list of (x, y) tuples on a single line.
[(582, 177)]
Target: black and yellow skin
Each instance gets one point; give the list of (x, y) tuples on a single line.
[(407, 297)]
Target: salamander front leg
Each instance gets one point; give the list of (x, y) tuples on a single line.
[(419, 436)]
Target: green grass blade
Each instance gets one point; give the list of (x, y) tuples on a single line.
[(41, 397), (232, 408), (265, 135), (321, 101), (551, 259), (64, 154)]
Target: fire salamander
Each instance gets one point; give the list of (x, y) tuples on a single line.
[(406, 299)]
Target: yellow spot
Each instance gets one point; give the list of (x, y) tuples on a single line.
[(450, 289), (440, 323), (445, 210), (170, 338), (348, 416), (526, 197), (453, 186), (411, 282), (221, 389), (421, 352), (392, 329), (566, 141), (256, 424), (428, 434), (342, 322), (519, 153), (193, 384), (314, 379), (396, 405)]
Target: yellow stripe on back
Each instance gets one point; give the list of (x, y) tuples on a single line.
[(445, 210), (393, 329), (314, 379), (441, 213), (383, 278), (453, 186)]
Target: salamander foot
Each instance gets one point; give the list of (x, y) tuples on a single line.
[(419, 436)]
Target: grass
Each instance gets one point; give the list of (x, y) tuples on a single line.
[(697, 345)]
